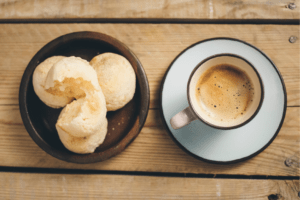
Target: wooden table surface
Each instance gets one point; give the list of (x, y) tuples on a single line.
[(153, 166)]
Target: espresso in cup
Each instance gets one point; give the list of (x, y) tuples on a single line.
[(224, 93)]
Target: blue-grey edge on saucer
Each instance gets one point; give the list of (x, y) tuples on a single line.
[(190, 128)]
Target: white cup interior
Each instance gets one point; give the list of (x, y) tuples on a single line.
[(242, 65)]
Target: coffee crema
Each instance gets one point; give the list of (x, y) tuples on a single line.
[(224, 92)]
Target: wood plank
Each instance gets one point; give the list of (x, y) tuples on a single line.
[(156, 45), (179, 9), (65, 186), (152, 151)]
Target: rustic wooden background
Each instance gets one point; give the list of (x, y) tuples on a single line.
[(152, 167)]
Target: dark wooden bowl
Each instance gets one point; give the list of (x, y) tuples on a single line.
[(123, 125)]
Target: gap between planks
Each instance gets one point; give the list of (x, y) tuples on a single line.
[(153, 21), (35, 170)]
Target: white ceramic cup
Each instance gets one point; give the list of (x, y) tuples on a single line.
[(194, 112)]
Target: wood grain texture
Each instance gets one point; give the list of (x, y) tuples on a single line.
[(65, 186), (152, 151), (166, 9), (156, 45)]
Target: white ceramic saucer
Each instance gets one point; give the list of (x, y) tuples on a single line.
[(223, 146)]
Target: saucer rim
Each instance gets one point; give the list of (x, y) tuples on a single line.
[(214, 161)]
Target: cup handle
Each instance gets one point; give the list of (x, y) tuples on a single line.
[(183, 118)]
